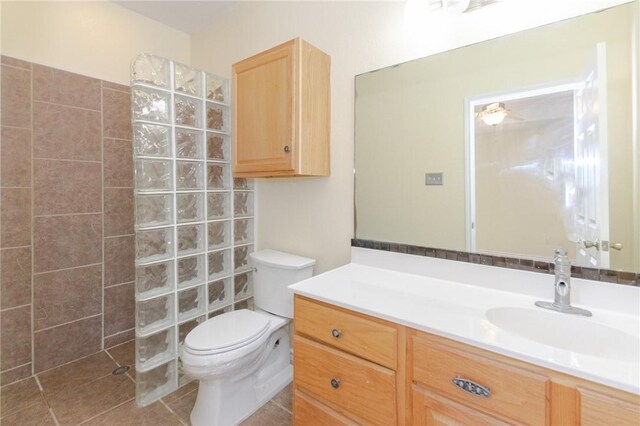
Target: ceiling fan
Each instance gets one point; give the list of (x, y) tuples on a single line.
[(494, 113)]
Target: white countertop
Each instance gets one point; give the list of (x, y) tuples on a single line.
[(456, 309)]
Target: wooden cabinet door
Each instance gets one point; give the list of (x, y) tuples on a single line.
[(597, 409), (265, 107), (431, 409)]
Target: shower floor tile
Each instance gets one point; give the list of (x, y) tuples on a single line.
[(85, 392), (130, 414)]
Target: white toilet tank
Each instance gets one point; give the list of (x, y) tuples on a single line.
[(274, 271)]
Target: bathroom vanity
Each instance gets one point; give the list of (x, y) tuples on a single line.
[(374, 345)]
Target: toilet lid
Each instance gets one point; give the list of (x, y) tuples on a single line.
[(227, 331)]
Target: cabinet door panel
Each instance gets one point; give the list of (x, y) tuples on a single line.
[(431, 409), (264, 111), (598, 409)]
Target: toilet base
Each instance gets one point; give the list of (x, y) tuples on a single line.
[(222, 404), (229, 401)]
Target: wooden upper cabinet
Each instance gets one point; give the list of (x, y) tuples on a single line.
[(281, 112)]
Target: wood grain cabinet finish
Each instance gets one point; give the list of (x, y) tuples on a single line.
[(309, 412), (346, 366), (432, 409), (281, 112), (601, 409), (411, 382), (514, 393), (364, 337)]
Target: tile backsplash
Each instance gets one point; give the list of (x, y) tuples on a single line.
[(66, 228), (606, 275)]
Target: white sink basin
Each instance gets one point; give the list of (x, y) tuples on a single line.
[(564, 331)]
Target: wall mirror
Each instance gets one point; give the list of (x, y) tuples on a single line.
[(511, 147)]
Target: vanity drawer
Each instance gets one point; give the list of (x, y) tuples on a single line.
[(515, 393), (309, 412), (362, 388), (374, 340)]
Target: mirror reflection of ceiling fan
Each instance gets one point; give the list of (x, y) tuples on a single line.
[(494, 113)]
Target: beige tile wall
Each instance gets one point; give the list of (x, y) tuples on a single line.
[(66, 218)]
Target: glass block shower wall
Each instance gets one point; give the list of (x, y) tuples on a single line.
[(194, 223)]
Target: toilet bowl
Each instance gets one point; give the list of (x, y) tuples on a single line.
[(242, 358)]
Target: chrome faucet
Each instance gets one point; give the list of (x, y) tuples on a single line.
[(562, 299)]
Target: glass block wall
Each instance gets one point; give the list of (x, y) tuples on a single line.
[(194, 222)]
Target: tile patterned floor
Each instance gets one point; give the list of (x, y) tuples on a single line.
[(85, 392)]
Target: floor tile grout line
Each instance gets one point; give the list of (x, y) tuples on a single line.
[(17, 381), (11, 309), (38, 383), (173, 412), (14, 368), (67, 323), (33, 402), (66, 363), (120, 332), (105, 411), (111, 356), (55, 418), (281, 406)]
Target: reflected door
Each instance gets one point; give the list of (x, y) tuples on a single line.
[(591, 214)]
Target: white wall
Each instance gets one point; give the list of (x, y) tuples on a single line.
[(314, 216), (97, 39)]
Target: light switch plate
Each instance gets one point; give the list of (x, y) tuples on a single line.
[(433, 179)]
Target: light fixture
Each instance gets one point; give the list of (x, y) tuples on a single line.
[(493, 114)]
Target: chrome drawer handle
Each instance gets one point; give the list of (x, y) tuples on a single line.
[(472, 387), (335, 333), (335, 383)]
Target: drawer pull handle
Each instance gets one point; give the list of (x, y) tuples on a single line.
[(335, 383), (472, 387), (335, 333)]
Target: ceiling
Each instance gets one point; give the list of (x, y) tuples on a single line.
[(184, 15)]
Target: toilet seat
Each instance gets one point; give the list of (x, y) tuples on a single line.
[(226, 332)]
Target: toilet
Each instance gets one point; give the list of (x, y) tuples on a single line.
[(243, 358)]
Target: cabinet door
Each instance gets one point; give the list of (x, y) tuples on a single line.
[(265, 107), (598, 409), (309, 412), (431, 409)]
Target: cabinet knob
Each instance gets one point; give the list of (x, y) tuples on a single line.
[(286, 148), (335, 383), (335, 333)]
